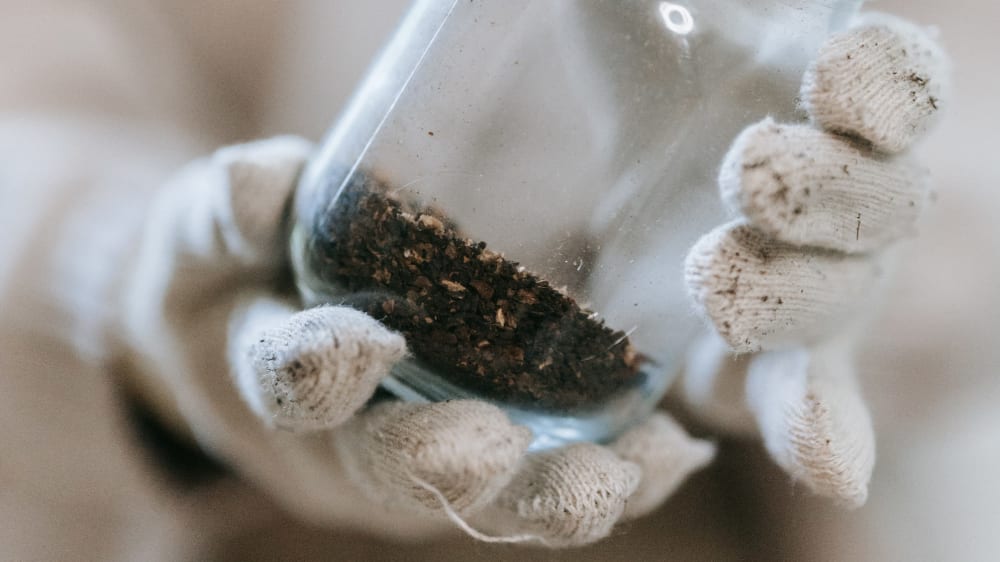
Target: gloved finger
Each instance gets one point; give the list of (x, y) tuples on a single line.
[(807, 187), (760, 293), (885, 81), (813, 420), (568, 497), (712, 387), (230, 209), (308, 370), (666, 456), (413, 456)]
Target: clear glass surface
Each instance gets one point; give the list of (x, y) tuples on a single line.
[(579, 139)]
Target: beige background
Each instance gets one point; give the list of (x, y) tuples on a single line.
[(228, 70)]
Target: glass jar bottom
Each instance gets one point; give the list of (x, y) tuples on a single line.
[(411, 382)]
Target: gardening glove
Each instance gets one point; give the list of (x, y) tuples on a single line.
[(280, 394), (788, 284)]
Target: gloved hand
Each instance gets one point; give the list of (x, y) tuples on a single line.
[(789, 283), (280, 393)]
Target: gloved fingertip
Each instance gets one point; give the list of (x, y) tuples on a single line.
[(814, 422), (314, 369), (884, 80), (712, 386), (666, 454), (713, 273), (412, 455), (259, 180), (569, 497), (763, 294), (808, 187)]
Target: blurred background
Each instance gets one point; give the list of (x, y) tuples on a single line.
[(208, 73)]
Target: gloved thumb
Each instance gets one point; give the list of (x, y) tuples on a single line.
[(231, 207)]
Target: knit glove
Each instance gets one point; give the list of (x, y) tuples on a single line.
[(788, 284), (281, 394)]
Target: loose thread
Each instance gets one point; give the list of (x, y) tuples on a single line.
[(469, 529)]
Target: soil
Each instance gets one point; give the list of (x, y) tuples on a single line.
[(477, 319)]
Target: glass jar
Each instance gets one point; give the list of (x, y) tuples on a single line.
[(516, 183)]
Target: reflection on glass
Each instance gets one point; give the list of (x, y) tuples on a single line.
[(677, 18)]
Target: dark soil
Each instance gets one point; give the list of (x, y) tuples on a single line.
[(468, 314)]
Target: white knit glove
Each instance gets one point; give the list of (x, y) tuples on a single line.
[(792, 279), (280, 393)]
